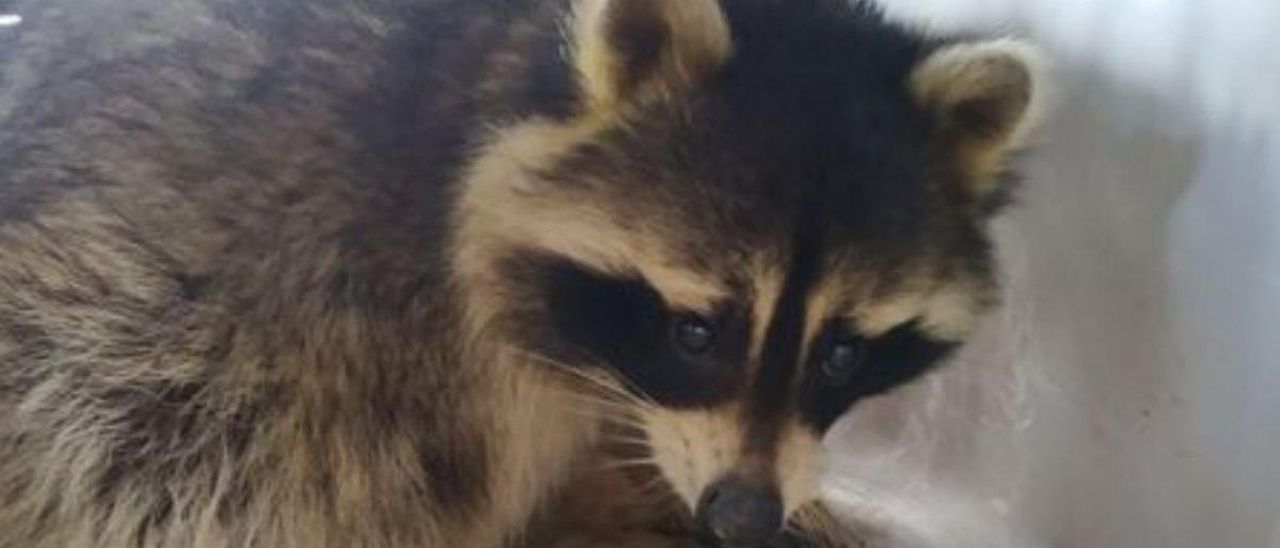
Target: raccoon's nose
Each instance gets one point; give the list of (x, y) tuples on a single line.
[(740, 513)]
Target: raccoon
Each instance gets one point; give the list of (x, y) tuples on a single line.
[(475, 273)]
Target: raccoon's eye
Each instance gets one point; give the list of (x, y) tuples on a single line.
[(694, 334), (842, 361)]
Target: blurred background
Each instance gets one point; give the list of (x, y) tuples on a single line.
[(1128, 395)]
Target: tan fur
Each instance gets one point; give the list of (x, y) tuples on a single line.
[(34, 263), (499, 177), (545, 430), (503, 207), (693, 448), (699, 43), (947, 311), (947, 308), (107, 285), (766, 279), (1005, 78), (801, 462)]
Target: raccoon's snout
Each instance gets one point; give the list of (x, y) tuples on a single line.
[(740, 513)]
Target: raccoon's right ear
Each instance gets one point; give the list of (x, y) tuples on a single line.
[(986, 98), (628, 50)]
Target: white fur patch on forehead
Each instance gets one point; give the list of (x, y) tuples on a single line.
[(504, 205)]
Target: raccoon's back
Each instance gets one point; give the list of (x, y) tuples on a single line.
[(164, 159), (221, 226), (160, 155)]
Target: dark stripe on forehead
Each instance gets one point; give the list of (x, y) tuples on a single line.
[(770, 396)]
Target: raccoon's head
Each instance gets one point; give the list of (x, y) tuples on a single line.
[(759, 213)]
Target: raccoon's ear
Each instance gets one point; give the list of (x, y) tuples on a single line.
[(985, 98), (627, 49)]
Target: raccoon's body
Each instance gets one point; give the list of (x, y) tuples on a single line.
[(388, 273)]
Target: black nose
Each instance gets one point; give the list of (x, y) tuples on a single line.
[(738, 512)]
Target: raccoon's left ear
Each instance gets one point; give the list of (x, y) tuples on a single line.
[(985, 98), (624, 50)]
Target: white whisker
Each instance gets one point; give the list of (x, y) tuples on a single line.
[(634, 394)]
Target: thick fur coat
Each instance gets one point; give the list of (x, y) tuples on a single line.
[(379, 273)]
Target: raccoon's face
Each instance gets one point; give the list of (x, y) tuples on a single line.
[(762, 213)]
